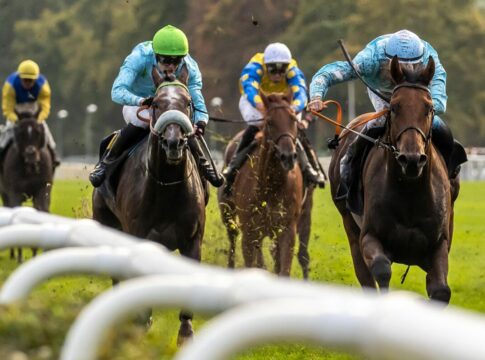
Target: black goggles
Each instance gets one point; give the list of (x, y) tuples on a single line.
[(169, 60), (277, 68)]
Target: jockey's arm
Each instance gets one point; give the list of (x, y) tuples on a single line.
[(297, 82), (44, 101), (195, 90), (250, 80), (438, 84), (8, 103), (338, 72), (121, 90)]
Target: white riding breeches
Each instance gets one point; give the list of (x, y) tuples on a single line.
[(129, 115), (249, 112)]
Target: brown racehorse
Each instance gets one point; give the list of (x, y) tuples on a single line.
[(408, 201), (268, 190), (27, 171), (160, 196)]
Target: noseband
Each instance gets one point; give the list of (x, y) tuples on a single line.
[(425, 137)]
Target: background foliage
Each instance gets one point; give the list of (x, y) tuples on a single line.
[(81, 44)]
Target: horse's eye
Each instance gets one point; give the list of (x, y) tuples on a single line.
[(394, 108)]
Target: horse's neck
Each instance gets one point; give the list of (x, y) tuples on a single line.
[(270, 171)]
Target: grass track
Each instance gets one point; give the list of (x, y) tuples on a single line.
[(36, 327)]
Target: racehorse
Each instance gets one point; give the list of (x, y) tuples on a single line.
[(160, 196), (26, 171), (407, 214), (268, 190)]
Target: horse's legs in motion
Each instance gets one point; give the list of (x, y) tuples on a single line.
[(361, 270), (14, 200), (304, 226), (229, 220), (378, 263), (436, 284), (251, 239), (191, 250), (285, 244), (41, 202)]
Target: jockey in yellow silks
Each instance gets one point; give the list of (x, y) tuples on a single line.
[(274, 71), (24, 86)]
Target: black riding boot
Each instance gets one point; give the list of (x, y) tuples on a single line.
[(55, 159), (205, 167), (127, 136), (239, 157), (352, 160), (452, 151), (309, 162)]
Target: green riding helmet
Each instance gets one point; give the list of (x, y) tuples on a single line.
[(170, 40)]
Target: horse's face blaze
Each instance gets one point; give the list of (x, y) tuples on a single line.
[(173, 143), (30, 138)]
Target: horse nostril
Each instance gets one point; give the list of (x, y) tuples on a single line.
[(423, 158), (402, 160), (295, 155)]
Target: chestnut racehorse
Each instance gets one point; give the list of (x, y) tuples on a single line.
[(268, 190)]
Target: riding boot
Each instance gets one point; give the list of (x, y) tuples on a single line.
[(452, 151), (239, 157), (352, 160), (55, 159), (309, 173), (204, 166), (126, 137), (313, 165)]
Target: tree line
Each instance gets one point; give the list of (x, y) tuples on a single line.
[(80, 45)]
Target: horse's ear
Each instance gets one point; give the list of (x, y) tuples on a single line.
[(157, 79), (427, 74), (184, 75), (396, 71)]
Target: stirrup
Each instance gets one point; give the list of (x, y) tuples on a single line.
[(98, 174)]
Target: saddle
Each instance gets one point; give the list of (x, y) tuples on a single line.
[(110, 184)]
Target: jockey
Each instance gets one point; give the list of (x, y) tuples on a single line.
[(373, 64), (27, 86), (134, 87), (274, 71)]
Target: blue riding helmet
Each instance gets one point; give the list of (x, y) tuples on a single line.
[(406, 45)]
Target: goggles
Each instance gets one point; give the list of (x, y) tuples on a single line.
[(169, 60), (277, 68)]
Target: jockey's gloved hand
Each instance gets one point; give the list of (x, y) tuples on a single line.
[(147, 101), (199, 128)]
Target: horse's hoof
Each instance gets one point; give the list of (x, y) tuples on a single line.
[(381, 271), (442, 294), (186, 333)]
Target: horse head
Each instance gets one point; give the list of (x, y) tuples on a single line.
[(29, 137), (171, 114), (280, 127), (411, 116)]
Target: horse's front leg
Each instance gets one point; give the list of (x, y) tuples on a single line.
[(192, 250), (285, 243), (376, 260), (436, 278)]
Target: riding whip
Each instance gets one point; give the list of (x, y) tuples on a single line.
[(349, 60)]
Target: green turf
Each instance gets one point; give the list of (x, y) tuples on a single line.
[(37, 326)]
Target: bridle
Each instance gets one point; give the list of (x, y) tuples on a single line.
[(287, 133), (426, 137), (159, 135)]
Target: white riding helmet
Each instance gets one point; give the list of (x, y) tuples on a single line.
[(277, 53)]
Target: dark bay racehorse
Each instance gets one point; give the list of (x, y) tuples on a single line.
[(408, 200), (160, 196), (26, 171), (268, 190)]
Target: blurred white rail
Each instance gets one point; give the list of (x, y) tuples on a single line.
[(264, 308)]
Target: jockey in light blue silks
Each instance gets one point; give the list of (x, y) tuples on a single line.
[(373, 64), (134, 87)]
